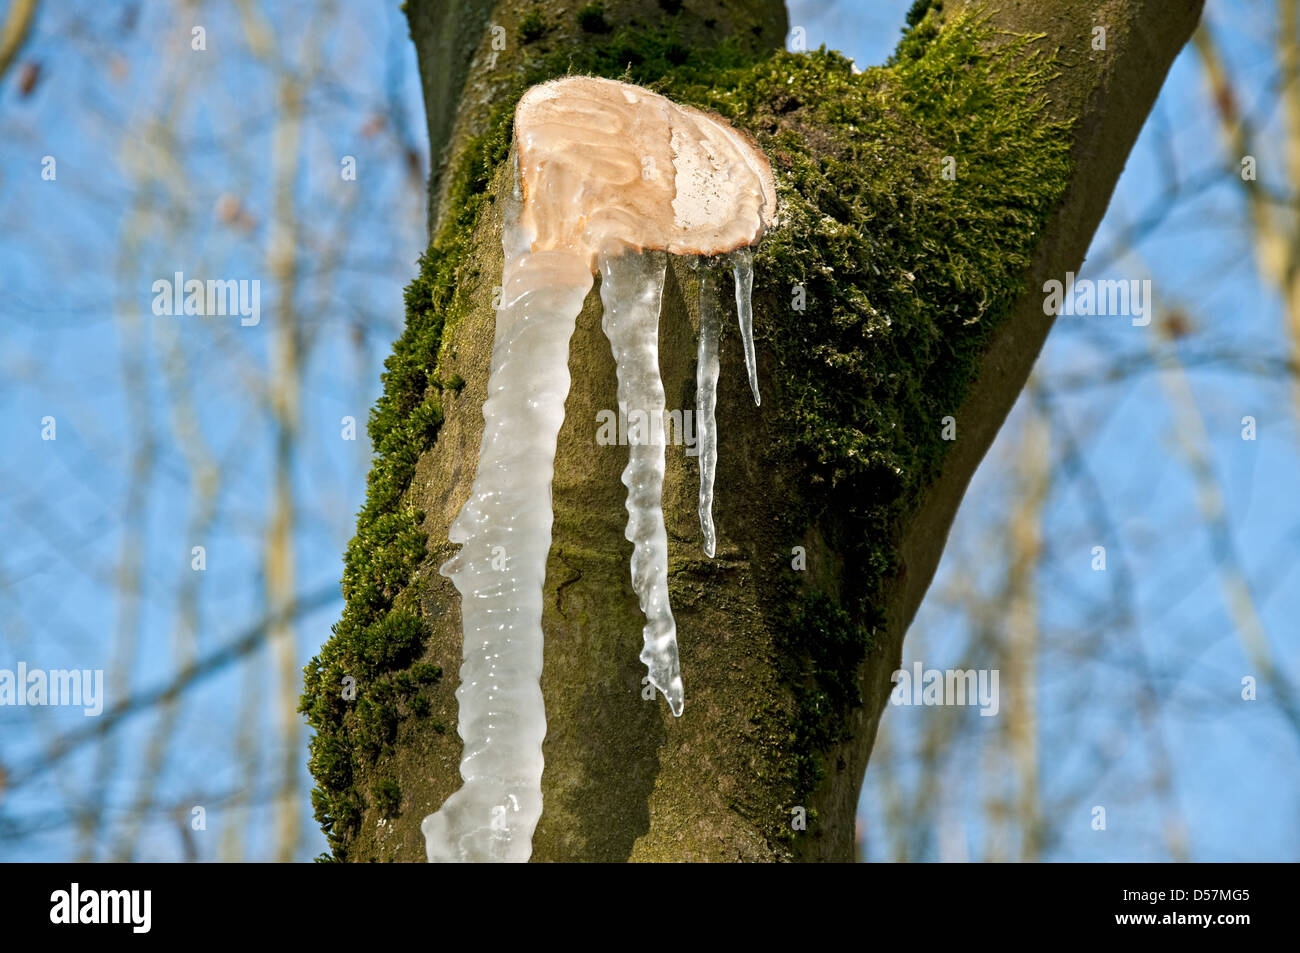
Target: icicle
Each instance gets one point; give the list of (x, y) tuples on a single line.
[(506, 530), (601, 167), (631, 289), (743, 268), (706, 400)]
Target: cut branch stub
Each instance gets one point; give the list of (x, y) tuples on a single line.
[(603, 162)]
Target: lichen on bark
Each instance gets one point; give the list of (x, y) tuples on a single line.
[(903, 273)]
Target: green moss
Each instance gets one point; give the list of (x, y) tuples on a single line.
[(592, 19), (919, 10), (906, 274), (532, 26), (426, 673), (387, 797), (822, 647)]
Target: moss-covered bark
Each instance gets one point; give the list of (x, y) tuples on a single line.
[(919, 304)]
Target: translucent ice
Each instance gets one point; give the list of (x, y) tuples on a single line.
[(743, 266), (631, 286), (505, 527), (706, 400), (609, 177)]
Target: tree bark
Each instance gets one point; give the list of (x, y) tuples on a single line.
[(624, 780)]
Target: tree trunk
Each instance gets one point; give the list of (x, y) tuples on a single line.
[(922, 207)]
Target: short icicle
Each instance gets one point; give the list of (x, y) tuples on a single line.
[(505, 527), (706, 401), (631, 288), (743, 268)]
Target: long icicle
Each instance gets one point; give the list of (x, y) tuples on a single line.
[(743, 268), (706, 402), (505, 527), (631, 289)]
